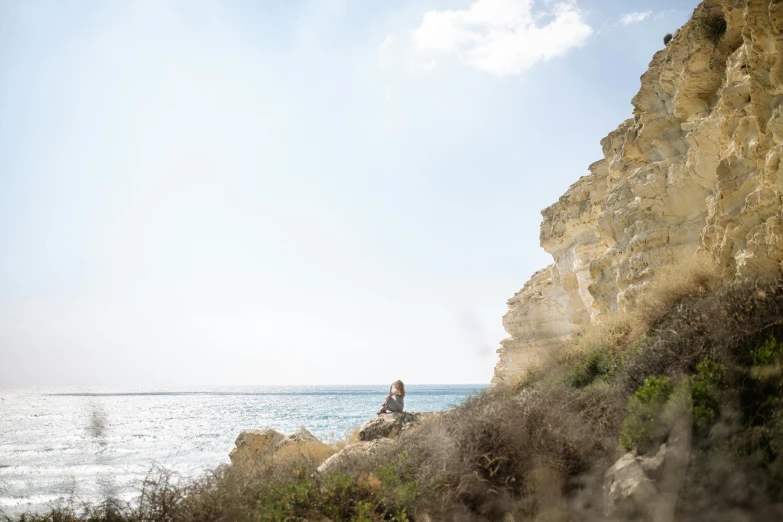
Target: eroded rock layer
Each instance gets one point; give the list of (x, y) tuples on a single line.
[(697, 168)]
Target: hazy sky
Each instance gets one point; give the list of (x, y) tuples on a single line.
[(291, 192)]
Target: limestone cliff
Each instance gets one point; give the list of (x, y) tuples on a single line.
[(697, 168)]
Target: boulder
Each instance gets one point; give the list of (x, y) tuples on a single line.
[(652, 465), (257, 445), (302, 445), (628, 490), (352, 451), (387, 425)]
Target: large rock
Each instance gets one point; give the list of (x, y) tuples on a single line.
[(358, 451), (386, 425), (258, 445), (302, 445), (629, 491), (375, 435), (255, 444), (698, 168), (652, 465)]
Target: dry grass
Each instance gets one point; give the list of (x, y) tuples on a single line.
[(351, 437), (672, 285)]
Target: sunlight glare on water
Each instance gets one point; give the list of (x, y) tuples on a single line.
[(88, 445)]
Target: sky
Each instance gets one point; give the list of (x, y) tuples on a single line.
[(203, 193)]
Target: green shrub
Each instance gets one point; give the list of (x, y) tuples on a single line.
[(708, 382), (667, 38), (766, 361), (761, 398), (337, 492), (364, 512), (642, 428), (286, 501), (399, 490), (599, 363), (768, 353)]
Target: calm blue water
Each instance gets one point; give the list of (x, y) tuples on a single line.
[(85, 445)]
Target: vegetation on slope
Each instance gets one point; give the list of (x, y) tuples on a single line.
[(539, 450)]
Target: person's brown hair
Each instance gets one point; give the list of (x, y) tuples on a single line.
[(400, 387)]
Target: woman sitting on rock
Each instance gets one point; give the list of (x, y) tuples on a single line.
[(395, 401)]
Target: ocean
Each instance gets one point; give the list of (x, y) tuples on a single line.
[(84, 446)]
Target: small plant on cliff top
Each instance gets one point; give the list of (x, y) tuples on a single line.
[(710, 27), (667, 38)]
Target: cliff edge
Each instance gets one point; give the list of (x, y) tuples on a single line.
[(697, 169)]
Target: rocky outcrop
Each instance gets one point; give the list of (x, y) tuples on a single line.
[(390, 425), (386, 425), (697, 168), (375, 435), (255, 444), (269, 445), (258, 445), (360, 451), (302, 445)]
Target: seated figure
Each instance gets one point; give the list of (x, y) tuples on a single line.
[(395, 401)]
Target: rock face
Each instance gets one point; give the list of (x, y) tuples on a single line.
[(257, 445), (697, 168)]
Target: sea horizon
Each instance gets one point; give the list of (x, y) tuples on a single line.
[(143, 388), (98, 441)]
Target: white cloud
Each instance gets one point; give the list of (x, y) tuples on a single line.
[(633, 18), (502, 37)]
